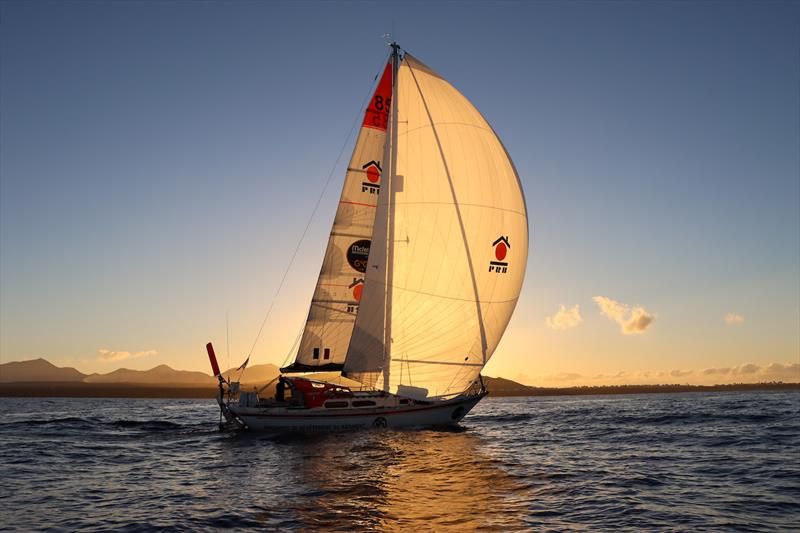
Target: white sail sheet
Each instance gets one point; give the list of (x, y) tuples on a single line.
[(438, 299), (337, 295)]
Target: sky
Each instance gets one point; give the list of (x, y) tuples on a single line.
[(159, 161)]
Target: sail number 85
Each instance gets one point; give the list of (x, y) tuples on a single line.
[(380, 103)]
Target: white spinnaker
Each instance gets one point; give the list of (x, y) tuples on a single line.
[(457, 252), (338, 291)]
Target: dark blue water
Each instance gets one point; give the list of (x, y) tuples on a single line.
[(727, 461)]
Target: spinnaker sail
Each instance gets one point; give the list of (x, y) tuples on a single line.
[(455, 233)]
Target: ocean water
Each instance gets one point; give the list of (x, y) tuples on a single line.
[(672, 462)]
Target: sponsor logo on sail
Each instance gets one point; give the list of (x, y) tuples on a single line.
[(373, 170), (501, 247), (357, 255), (357, 287)]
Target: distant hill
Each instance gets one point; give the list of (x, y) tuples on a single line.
[(41, 370), (506, 387), (38, 370), (256, 374), (162, 374)]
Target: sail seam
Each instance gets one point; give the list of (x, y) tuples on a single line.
[(484, 344), (357, 203), (354, 235), (449, 363), (467, 205), (431, 125), (453, 298)]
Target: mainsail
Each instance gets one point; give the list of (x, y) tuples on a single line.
[(337, 295), (449, 249)]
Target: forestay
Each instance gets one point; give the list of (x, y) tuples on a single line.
[(337, 295), (449, 250)]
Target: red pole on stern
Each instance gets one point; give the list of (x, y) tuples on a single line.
[(213, 358), (215, 368)]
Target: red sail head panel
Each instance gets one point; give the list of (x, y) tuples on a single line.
[(377, 115)]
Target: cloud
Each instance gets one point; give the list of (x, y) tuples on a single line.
[(743, 373), (778, 371), (631, 321), (108, 356), (773, 371), (563, 376), (747, 368), (565, 318), (733, 319), (711, 371)]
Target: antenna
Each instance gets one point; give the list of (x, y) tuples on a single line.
[(228, 344)]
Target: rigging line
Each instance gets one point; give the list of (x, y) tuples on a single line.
[(294, 345), (316, 206)]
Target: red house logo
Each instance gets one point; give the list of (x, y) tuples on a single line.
[(373, 171), (501, 247), (357, 287)]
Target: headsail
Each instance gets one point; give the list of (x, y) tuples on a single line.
[(338, 291), (455, 231)]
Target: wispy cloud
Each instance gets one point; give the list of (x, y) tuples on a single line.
[(631, 321), (743, 373), (721, 371), (563, 376), (777, 371), (108, 356), (733, 319), (747, 368), (565, 318)]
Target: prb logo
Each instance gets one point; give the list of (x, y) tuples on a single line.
[(373, 170), (501, 247), (357, 287)]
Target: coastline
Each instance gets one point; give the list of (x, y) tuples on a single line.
[(165, 391)]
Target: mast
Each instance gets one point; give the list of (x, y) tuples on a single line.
[(392, 145)]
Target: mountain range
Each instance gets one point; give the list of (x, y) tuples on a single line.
[(39, 377), (41, 370), (25, 375)]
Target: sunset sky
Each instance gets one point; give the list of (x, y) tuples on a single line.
[(159, 161)]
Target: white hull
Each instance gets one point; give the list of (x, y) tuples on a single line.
[(309, 420)]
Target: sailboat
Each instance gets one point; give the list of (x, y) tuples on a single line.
[(422, 272)]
